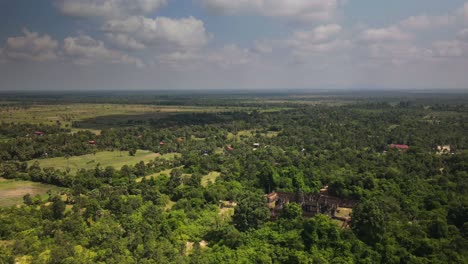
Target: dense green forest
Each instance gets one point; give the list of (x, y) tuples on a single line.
[(412, 204)]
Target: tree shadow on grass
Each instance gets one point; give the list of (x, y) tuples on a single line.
[(159, 120)]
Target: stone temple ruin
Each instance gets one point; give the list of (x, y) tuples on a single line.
[(312, 204)]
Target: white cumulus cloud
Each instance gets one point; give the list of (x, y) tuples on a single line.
[(165, 34), (425, 22), (464, 11), (399, 53), (320, 40), (84, 49), (295, 9), (125, 42), (391, 33), (451, 48), (31, 46), (108, 8), (228, 56), (463, 35), (318, 34)]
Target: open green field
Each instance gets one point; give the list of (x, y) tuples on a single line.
[(116, 159), (211, 177), (250, 133), (155, 175), (4, 139), (12, 192), (65, 114)]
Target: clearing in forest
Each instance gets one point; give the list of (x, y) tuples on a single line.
[(341, 214), (65, 114), (116, 159), (211, 177), (12, 192), (155, 175), (250, 133)]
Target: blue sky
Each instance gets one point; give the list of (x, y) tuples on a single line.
[(233, 44)]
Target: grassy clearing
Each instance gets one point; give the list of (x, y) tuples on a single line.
[(219, 151), (65, 114), (250, 133), (4, 139), (192, 137), (169, 205), (24, 260), (226, 212), (94, 131), (300, 100), (343, 212), (337, 222), (116, 159), (155, 175), (211, 177), (241, 134), (6, 243), (12, 192)]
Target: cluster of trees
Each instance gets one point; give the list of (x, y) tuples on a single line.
[(412, 204), (313, 128)]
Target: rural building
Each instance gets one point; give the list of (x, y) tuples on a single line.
[(39, 133), (312, 204), (399, 146), (229, 148), (92, 142)]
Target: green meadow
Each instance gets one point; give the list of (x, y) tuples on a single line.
[(66, 114), (116, 159), (12, 192), (211, 177)]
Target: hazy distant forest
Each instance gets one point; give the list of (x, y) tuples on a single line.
[(232, 177)]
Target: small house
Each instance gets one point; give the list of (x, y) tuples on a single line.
[(162, 143), (39, 133), (399, 146), (229, 148), (92, 142)]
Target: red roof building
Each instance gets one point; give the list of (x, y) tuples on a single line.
[(399, 146), (92, 142), (39, 133), (230, 148), (162, 143)]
